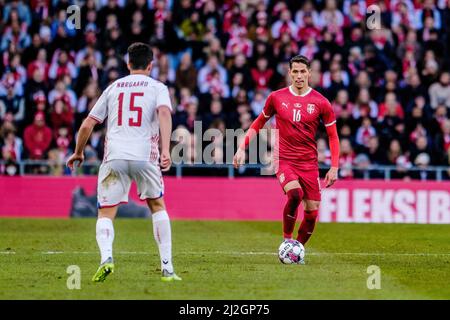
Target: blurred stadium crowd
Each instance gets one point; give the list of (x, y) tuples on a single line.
[(390, 86)]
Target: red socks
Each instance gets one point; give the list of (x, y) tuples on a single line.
[(290, 211), (307, 226)]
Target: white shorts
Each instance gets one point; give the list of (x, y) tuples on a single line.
[(115, 177)]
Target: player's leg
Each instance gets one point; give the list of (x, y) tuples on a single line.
[(105, 232), (309, 220), (112, 189), (151, 188), (294, 195), (105, 238), (163, 236), (311, 202), (293, 190)]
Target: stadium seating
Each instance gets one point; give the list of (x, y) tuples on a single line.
[(389, 85)]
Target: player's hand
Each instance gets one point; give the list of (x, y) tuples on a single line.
[(165, 161), (78, 158), (331, 177), (239, 158)]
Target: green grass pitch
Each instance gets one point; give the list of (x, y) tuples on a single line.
[(225, 260)]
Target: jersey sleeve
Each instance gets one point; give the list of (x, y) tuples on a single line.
[(327, 115), (163, 97), (269, 107), (99, 111)]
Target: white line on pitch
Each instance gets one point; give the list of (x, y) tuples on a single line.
[(255, 253), (7, 252), (92, 252), (328, 253), (378, 254)]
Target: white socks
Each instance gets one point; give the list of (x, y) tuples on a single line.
[(161, 232), (105, 237), (163, 237)]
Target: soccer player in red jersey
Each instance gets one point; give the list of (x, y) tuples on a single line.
[(298, 110)]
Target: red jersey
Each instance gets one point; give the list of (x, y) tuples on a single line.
[(297, 119)]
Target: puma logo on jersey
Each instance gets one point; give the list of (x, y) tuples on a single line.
[(282, 178), (284, 104)]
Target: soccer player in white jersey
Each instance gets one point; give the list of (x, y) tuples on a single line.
[(137, 109)]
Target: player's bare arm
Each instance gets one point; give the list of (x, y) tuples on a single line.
[(82, 138), (333, 141), (165, 123)]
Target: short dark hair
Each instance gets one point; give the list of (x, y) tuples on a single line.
[(139, 55), (300, 59)]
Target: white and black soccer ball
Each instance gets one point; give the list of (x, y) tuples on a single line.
[(291, 251)]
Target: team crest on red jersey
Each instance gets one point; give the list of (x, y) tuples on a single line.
[(311, 108)]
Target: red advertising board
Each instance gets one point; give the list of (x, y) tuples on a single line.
[(243, 199)]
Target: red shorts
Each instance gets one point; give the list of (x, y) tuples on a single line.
[(309, 179)]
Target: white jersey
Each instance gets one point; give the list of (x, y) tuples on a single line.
[(130, 104)]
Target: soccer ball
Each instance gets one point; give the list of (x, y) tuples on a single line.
[(291, 251)]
